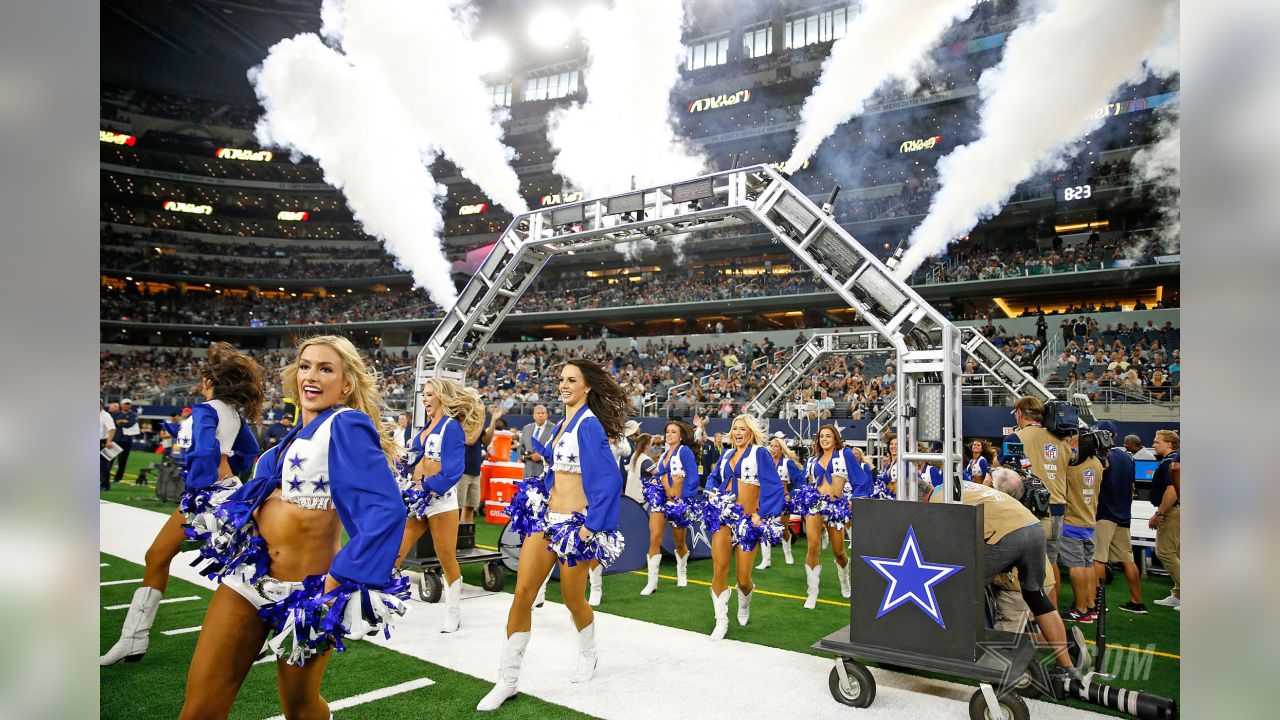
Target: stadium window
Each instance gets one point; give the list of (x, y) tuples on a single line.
[(757, 41), (707, 54), (500, 95), (812, 29), (550, 87)]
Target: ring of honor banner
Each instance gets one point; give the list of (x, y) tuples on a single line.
[(916, 574)]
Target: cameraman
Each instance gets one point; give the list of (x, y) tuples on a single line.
[(1013, 540), (1049, 456), (1076, 549)]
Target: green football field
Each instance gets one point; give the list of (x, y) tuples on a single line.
[(1144, 654)]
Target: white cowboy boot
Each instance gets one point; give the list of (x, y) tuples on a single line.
[(586, 654), (842, 572), (596, 576), (682, 570), (721, 605), (744, 605), (452, 606), (135, 636), (508, 672), (654, 561), (766, 556), (813, 575), (786, 551), (542, 593)]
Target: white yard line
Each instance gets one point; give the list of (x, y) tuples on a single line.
[(166, 601), (690, 667), (120, 582), (372, 695), (182, 631)]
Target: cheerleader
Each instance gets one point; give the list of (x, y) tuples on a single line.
[(978, 468), (889, 476), (569, 516), (744, 502), (276, 542), (640, 468), (429, 476), (789, 471), (932, 472), (824, 502), (673, 496), (215, 444)]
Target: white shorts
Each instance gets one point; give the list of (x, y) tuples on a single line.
[(444, 503), (266, 590)]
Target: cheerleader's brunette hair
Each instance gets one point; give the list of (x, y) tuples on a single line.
[(604, 397), (237, 379), (687, 438)]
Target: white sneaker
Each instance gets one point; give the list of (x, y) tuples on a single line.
[(1172, 601)]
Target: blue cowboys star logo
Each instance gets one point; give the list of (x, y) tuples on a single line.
[(911, 579), (295, 462), (295, 484), (320, 484)]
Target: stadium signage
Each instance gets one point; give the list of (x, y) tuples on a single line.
[(472, 209), (719, 101), (922, 144), (186, 207), (559, 198), (116, 138), (1078, 192), (292, 216), (238, 154)]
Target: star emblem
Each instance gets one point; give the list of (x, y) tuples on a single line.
[(571, 457), (295, 462), (320, 484), (295, 484), (560, 444), (911, 579), (1003, 652)]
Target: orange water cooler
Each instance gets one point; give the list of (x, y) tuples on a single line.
[(498, 486)]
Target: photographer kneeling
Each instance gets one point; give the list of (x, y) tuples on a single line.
[(1014, 539)]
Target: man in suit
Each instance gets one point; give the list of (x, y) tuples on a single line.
[(404, 432), (534, 464)]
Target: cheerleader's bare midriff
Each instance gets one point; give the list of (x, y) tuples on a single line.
[(300, 541), (567, 495)]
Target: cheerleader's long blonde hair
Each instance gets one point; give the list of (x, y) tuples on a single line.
[(364, 395), (757, 434), (460, 403)]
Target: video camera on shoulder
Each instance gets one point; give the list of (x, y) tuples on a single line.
[(1035, 496), (1061, 418)]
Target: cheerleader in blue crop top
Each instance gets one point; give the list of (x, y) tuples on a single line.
[(792, 477), (674, 495), (744, 504), (429, 472), (977, 468), (215, 444), (824, 503), (569, 517), (276, 548)]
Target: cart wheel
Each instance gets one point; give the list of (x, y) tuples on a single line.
[(430, 587), (862, 690), (495, 576), (1012, 707)]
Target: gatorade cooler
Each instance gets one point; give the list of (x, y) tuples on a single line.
[(501, 487)]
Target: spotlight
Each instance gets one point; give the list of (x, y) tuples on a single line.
[(549, 28)]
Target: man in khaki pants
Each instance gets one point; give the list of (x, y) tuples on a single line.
[(1166, 493)]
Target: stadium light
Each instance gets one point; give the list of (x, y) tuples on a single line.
[(549, 27), (493, 54)]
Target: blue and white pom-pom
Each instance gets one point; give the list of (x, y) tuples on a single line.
[(229, 542), (719, 510), (805, 499), (198, 505), (683, 512), (309, 621), (417, 499), (834, 511), (654, 496), (528, 507), (747, 535), (881, 491), (563, 539)]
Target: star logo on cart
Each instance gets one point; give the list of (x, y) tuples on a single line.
[(1050, 451), (1013, 675), (911, 579)]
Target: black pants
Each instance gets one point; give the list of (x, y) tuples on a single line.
[(104, 468), (126, 443)]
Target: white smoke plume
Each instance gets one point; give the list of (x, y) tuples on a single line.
[(1160, 166), (886, 40), (319, 104), (624, 129), (425, 52), (1035, 105)]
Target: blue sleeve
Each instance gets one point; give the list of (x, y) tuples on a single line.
[(771, 490), (244, 449), (858, 475), (795, 472), (984, 466), (692, 481), (170, 428), (453, 458), (935, 475), (205, 454), (601, 479), (263, 482), (368, 502)]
